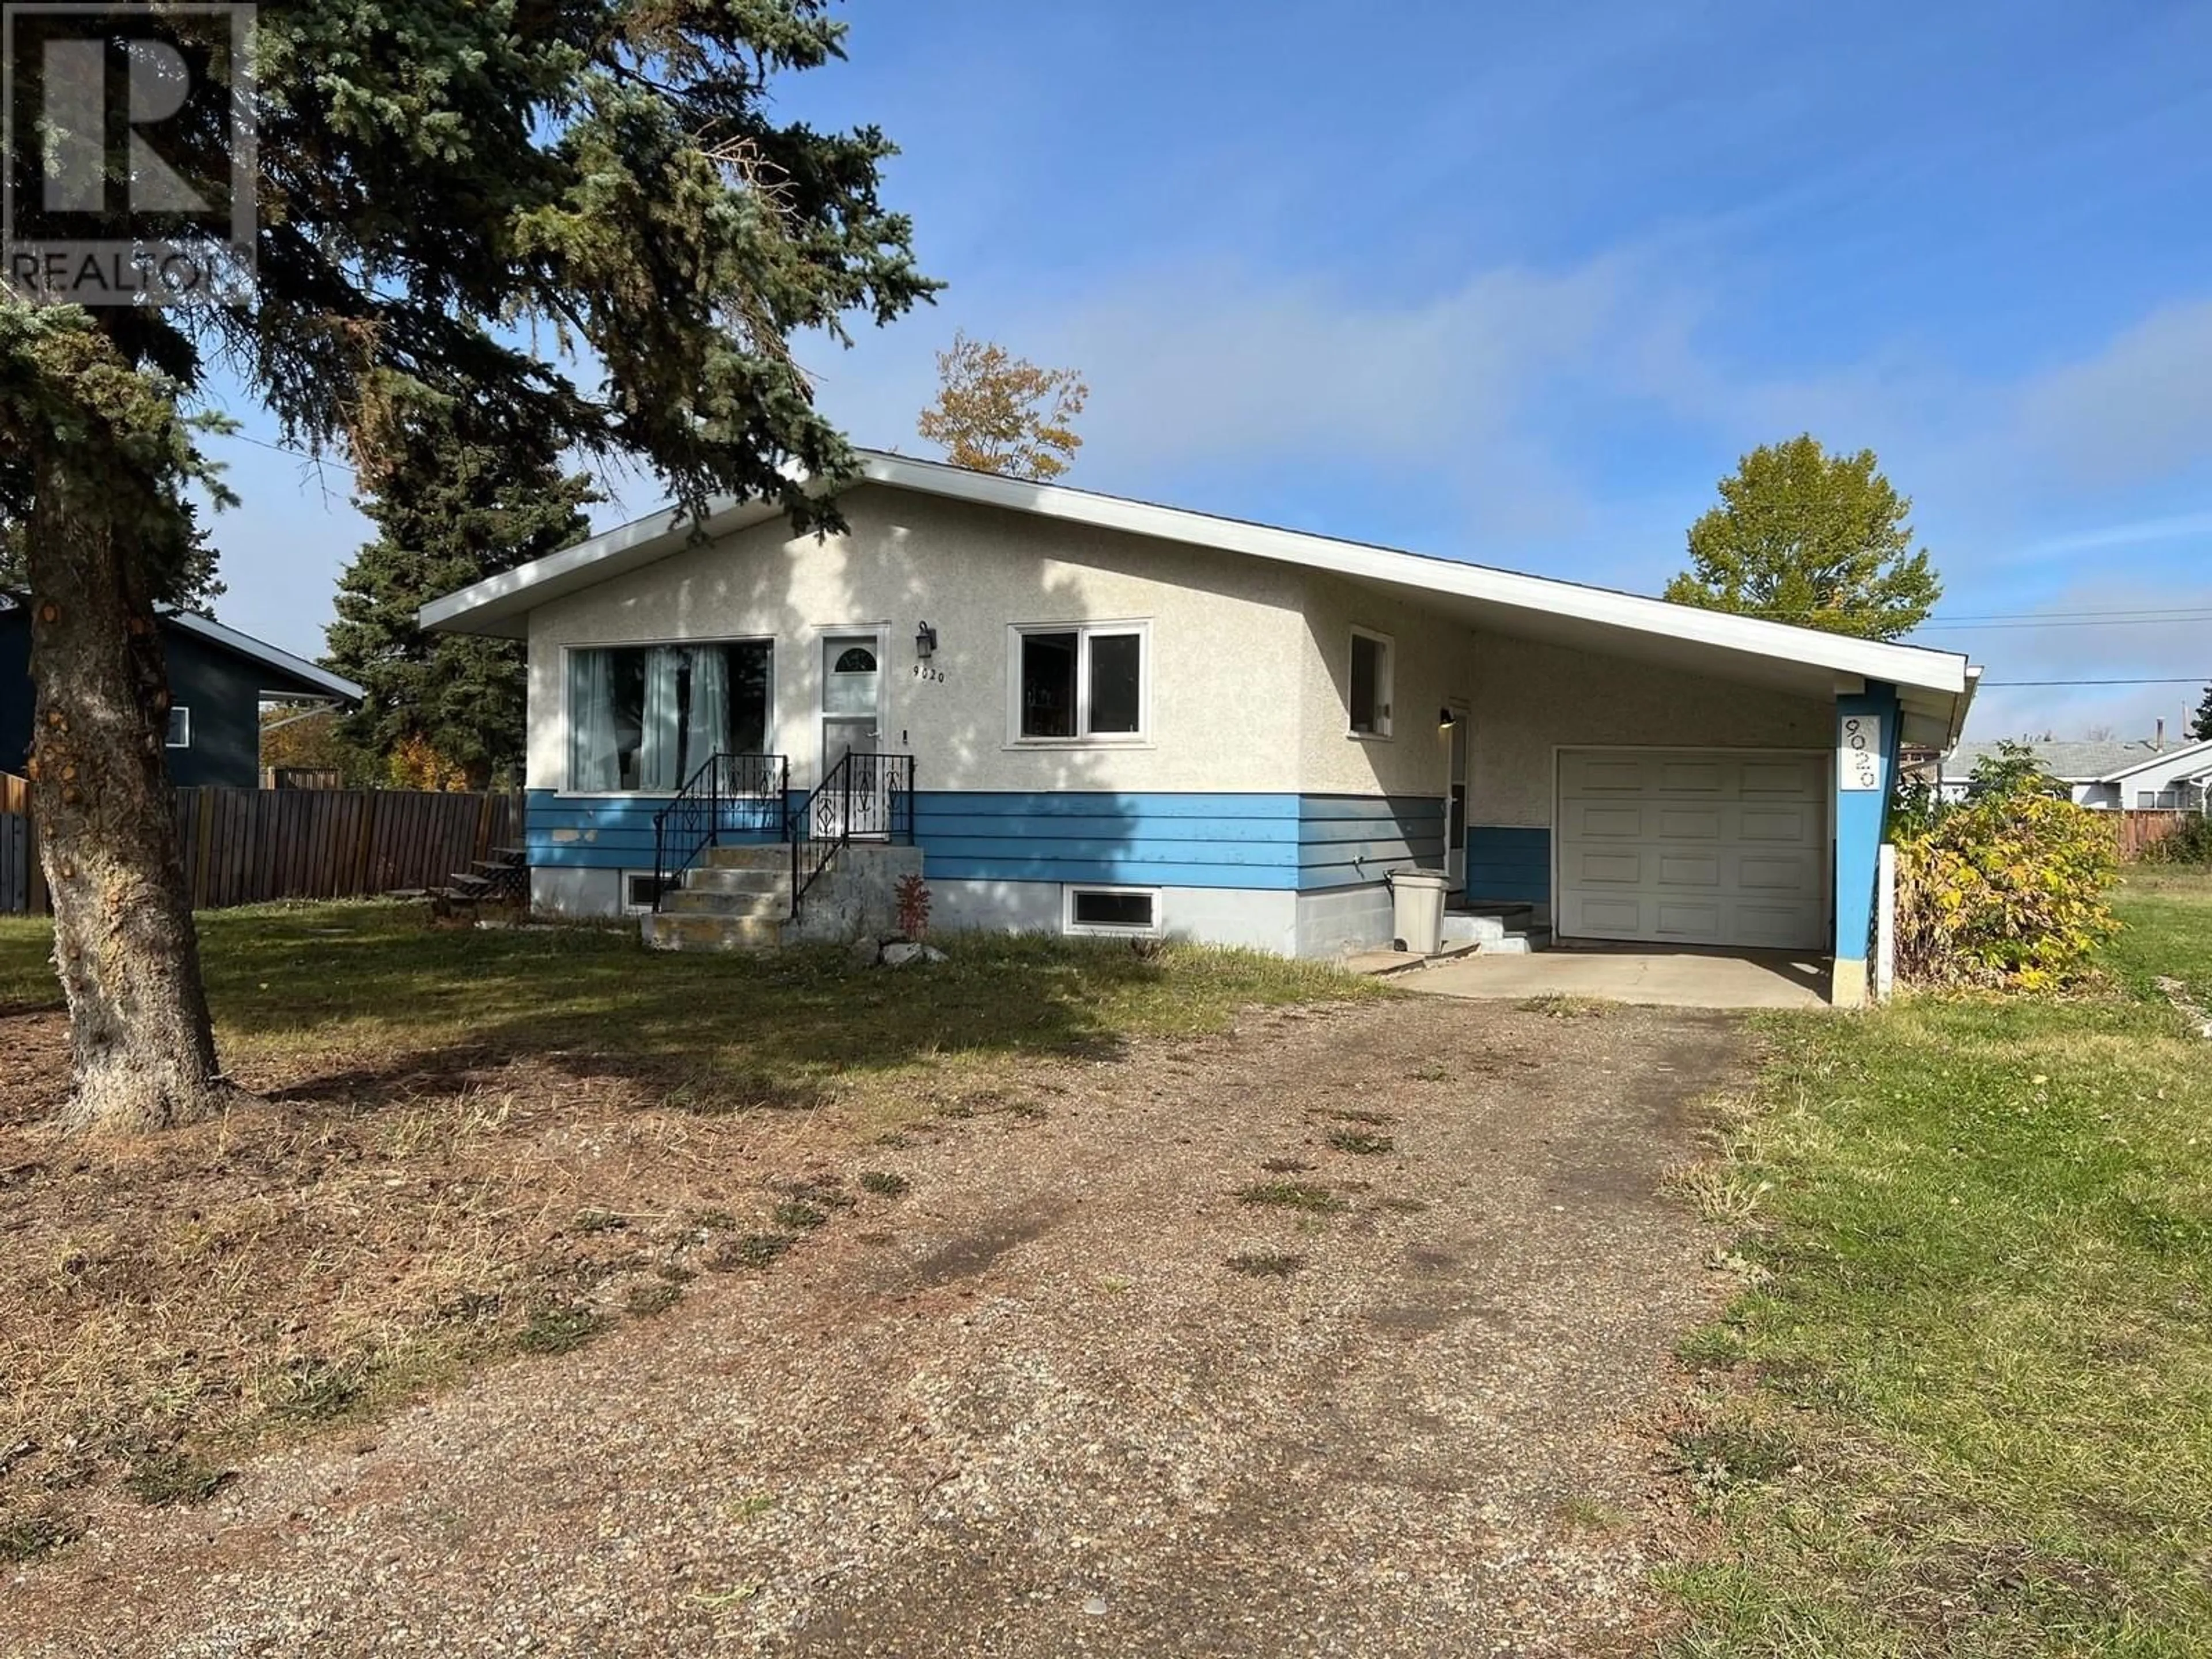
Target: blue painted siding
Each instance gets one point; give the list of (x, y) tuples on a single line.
[(1271, 842), (598, 832), (1510, 866), (1350, 840), (1147, 840)]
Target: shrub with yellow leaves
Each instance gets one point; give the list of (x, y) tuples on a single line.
[(2006, 892)]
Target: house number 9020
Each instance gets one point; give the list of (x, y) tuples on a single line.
[(927, 674)]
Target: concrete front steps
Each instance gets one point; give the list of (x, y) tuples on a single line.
[(1495, 930), (735, 898), (738, 898)]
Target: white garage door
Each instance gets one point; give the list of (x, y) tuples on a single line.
[(1694, 846)]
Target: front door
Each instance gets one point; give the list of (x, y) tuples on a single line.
[(852, 722), (1455, 812)]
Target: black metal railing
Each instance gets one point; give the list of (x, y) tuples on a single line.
[(730, 795), (863, 798)]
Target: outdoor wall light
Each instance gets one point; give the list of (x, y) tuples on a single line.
[(925, 642), (1446, 720)]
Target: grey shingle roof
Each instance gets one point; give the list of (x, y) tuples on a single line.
[(2074, 762)]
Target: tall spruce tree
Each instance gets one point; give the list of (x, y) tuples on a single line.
[(2201, 725), (474, 196), (453, 509)]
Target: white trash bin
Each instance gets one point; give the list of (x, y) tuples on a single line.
[(1417, 904)]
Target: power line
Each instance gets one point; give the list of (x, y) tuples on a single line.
[(2185, 679), (2017, 615), (279, 449), (2116, 621)]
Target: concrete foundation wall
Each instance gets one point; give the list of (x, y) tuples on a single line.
[(576, 894), (1336, 924), (1251, 920), (856, 895)]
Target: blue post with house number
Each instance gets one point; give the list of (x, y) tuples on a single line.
[(1866, 765)]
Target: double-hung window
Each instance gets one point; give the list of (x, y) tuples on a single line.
[(646, 718), (1080, 683)]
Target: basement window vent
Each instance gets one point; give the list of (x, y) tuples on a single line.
[(1127, 912)]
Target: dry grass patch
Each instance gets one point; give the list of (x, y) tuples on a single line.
[(470, 1144)]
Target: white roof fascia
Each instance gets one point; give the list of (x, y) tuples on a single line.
[(1903, 665)]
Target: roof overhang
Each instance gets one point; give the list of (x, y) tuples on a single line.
[(1935, 687), (290, 675)]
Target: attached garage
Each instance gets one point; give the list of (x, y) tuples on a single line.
[(1694, 846)]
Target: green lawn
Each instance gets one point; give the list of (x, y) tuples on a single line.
[(1980, 1328), (374, 979)]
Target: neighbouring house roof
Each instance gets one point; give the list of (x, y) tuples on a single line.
[(2086, 762), (1936, 686), (287, 675)]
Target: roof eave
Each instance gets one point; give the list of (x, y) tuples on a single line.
[(499, 604)]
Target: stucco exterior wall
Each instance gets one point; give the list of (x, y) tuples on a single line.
[(1223, 653), (1434, 665), (1530, 698)]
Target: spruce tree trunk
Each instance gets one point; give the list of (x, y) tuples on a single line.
[(142, 1050)]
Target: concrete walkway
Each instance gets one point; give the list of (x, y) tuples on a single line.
[(1672, 979)]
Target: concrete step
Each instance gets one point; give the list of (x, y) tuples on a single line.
[(777, 881), (1461, 929), (670, 930), (768, 855), (1513, 945), (709, 902)]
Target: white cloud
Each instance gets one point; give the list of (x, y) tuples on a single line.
[(2139, 410)]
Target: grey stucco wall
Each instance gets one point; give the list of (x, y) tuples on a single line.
[(1434, 665), (1533, 698), (1223, 642)]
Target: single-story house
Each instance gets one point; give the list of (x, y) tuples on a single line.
[(1127, 718), (218, 680), (2140, 774)]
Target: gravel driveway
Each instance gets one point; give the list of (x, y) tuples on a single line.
[(1038, 1413)]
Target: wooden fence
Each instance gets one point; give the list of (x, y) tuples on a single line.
[(19, 887), (248, 846), (2139, 828)]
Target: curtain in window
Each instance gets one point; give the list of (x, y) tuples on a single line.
[(657, 756), (593, 762), (708, 732)]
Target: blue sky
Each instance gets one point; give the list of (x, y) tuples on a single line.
[(1518, 284)]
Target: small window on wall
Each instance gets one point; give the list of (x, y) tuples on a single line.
[(1080, 683), (1370, 692), (640, 889), (180, 728), (1130, 911)]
